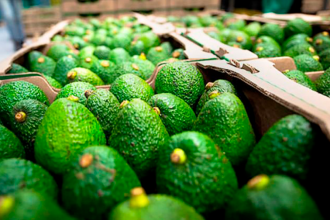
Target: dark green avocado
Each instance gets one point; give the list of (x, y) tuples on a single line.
[(10, 145), (16, 68), (323, 83), (42, 64), (79, 74), (77, 89), (297, 26), (57, 51), (119, 55), (63, 66), (106, 70), (158, 54), (325, 58), (272, 30), (301, 78), (306, 63), (102, 52), (53, 82)]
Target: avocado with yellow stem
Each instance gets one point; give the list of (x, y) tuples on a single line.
[(267, 40), (42, 64), (136, 48), (264, 50), (297, 26), (84, 75), (321, 44), (147, 67), (63, 66), (157, 55), (10, 145), (141, 206), (57, 51), (87, 61), (323, 83), (295, 40), (102, 52), (272, 30), (179, 54), (77, 89), (306, 63), (299, 49), (106, 70), (240, 37), (130, 68), (119, 55)]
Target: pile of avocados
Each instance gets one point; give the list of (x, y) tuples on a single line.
[(185, 149)]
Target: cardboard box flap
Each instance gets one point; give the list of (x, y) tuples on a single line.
[(282, 63), (288, 17), (159, 29), (269, 81)]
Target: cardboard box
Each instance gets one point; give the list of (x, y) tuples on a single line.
[(140, 5), (75, 7)]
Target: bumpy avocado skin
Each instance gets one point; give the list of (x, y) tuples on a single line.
[(299, 49), (119, 55), (284, 149), (85, 75), (10, 145), (29, 204), (301, 78), (130, 86), (130, 68), (43, 64), (63, 66), (325, 58), (17, 174), (77, 89), (16, 68), (58, 51), (67, 128), (224, 119), (306, 63), (87, 61), (321, 44), (157, 55), (264, 50), (295, 40), (146, 66), (136, 48), (323, 83), (240, 37), (160, 207), (102, 52), (297, 26), (105, 107), (206, 181), (281, 198), (272, 30), (137, 135), (181, 79), (252, 29), (53, 82), (92, 191), (176, 115), (13, 92)]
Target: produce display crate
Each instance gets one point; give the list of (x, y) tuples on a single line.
[(73, 7)]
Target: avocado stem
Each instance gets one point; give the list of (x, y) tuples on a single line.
[(73, 98), (176, 54), (20, 117), (209, 85), (123, 104), (159, 49), (71, 75), (139, 198), (135, 67), (86, 160), (143, 56), (6, 204), (258, 182), (88, 60), (41, 60), (178, 156), (156, 109), (105, 63), (214, 94), (88, 93)]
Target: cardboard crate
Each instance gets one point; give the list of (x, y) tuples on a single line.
[(70, 7), (194, 4), (140, 5)]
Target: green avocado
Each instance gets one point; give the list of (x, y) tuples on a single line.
[(167, 47), (220, 86), (146, 67), (176, 115), (53, 82), (224, 35), (306, 63), (84, 75), (149, 39), (301, 78), (136, 48), (272, 30), (264, 50), (191, 20), (10, 145), (214, 35), (179, 54), (105, 107), (57, 51), (119, 55), (289, 141), (266, 39), (130, 86), (157, 55), (77, 42), (252, 29), (207, 20), (225, 120), (192, 168), (282, 198), (322, 35), (43, 64), (297, 26), (106, 70), (67, 128), (63, 66), (141, 206), (77, 89), (98, 179), (17, 174), (130, 68), (295, 40), (87, 51), (99, 39), (121, 41), (137, 135), (16, 91), (57, 38), (234, 44), (323, 83), (16, 68), (28, 204), (299, 49), (325, 58), (87, 61), (236, 24), (102, 52), (181, 79), (240, 37), (321, 44)]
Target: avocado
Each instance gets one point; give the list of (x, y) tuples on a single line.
[(16, 91), (236, 24), (121, 41), (42, 64), (191, 167), (301, 78), (10, 145), (225, 120), (321, 44), (78, 43), (306, 63), (137, 135), (266, 39), (53, 82), (108, 42), (99, 39), (84, 75), (297, 26), (130, 68), (240, 37), (57, 51), (176, 115), (87, 51), (87, 61), (214, 35), (224, 35), (299, 49), (295, 40), (181, 79), (167, 47), (264, 50), (179, 54), (16, 68), (102, 52), (105, 70), (141, 206), (105, 107), (28, 204), (98, 179), (157, 55), (77, 89), (282, 198), (234, 44), (67, 128), (272, 30), (252, 29), (325, 58), (208, 21), (57, 38), (63, 66), (136, 48), (130, 86), (119, 55), (323, 83), (74, 31), (191, 20), (146, 67), (149, 39), (289, 141), (17, 174), (220, 86)]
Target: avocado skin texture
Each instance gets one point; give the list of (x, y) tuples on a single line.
[(67, 128), (321, 44), (306, 63), (181, 79), (224, 119), (10, 145), (17, 174), (13, 92), (106, 182), (206, 170), (156, 56), (160, 207), (323, 83), (106, 73), (63, 66), (137, 135), (102, 52), (252, 29), (266, 39), (272, 30), (146, 66), (16, 68), (295, 40), (105, 107), (29, 204), (121, 41), (130, 86), (85, 75), (245, 41), (325, 58), (127, 68), (87, 64), (282, 198), (47, 67), (301, 78), (236, 25), (149, 40), (299, 49), (264, 50), (292, 136), (87, 51), (136, 48), (219, 85), (176, 115), (58, 51), (181, 52), (297, 26), (77, 89), (119, 55), (53, 82), (167, 47)]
